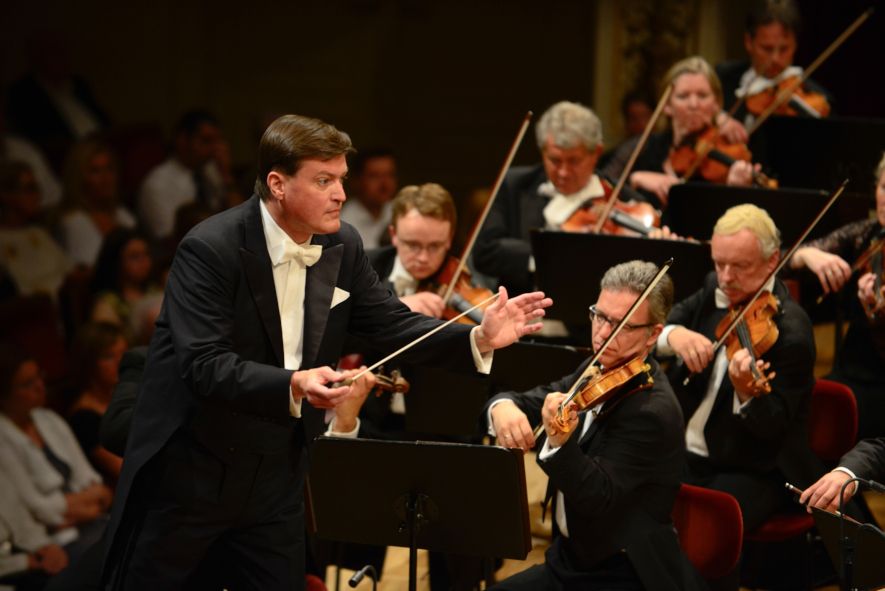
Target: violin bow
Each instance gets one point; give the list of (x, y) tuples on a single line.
[(462, 262), (429, 333), (780, 265), (572, 392), (622, 180), (786, 93)]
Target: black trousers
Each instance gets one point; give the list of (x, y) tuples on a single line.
[(244, 515)]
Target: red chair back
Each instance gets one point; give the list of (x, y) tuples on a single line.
[(832, 424), (710, 529)]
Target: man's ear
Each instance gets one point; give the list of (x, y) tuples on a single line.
[(275, 182), (391, 231)]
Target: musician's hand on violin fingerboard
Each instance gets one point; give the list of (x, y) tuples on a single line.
[(740, 174), (348, 410), (511, 426), (731, 129), (425, 302), (556, 434), (832, 270), (745, 384), (695, 349), (865, 290)]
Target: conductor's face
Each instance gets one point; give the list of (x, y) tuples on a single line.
[(637, 336), (308, 202)]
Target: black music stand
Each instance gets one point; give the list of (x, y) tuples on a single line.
[(524, 365), (570, 265), (867, 568), (694, 208), (821, 153), (441, 402), (395, 493)]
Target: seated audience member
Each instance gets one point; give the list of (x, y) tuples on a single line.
[(18, 149), (691, 110), (41, 457), (739, 438), (198, 170), (862, 354), (50, 105), (569, 136), (614, 471), (95, 359), (31, 258), (122, 285), (29, 555), (372, 187), (91, 208)]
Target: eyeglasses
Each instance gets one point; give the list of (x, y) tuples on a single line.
[(434, 248), (597, 316)]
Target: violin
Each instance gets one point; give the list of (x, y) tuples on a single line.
[(464, 294), (627, 218), (710, 156), (394, 383), (629, 377), (871, 261), (756, 332), (801, 101)]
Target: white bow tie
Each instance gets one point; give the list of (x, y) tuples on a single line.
[(306, 255)]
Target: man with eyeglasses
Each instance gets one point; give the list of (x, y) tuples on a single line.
[(739, 439), (615, 473)]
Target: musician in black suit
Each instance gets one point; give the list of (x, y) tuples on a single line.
[(866, 460), (770, 43), (258, 302), (569, 136), (738, 438), (616, 471)]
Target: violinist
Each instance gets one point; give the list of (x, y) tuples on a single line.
[(692, 109), (770, 42), (833, 259), (569, 136), (615, 473), (739, 438)]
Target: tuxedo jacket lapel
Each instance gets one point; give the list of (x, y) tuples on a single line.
[(321, 280), (259, 274)]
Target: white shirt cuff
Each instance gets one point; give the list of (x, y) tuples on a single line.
[(330, 432), (846, 470), (483, 362), (531, 264), (294, 404), (547, 451), (737, 406), (664, 347)]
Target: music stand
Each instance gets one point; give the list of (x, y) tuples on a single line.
[(867, 568), (694, 208), (524, 365), (570, 265), (442, 402), (395, 493), (792, 148)]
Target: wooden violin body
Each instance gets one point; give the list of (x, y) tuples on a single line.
[(464, 294), (602, 386), (627, 218), (709, 156), (757, 332), (803, 102)]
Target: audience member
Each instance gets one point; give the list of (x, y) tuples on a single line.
[(124, 294), (31, 258), (95, 360), (91, 207), (373, 186), (41, 457), (16, 148), (197, 170)]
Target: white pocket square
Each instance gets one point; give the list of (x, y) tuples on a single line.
[(339, 296)]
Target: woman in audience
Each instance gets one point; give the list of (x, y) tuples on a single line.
[(91, 208), (124, 294), (28, 254), (95, 358), (41, 456)]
